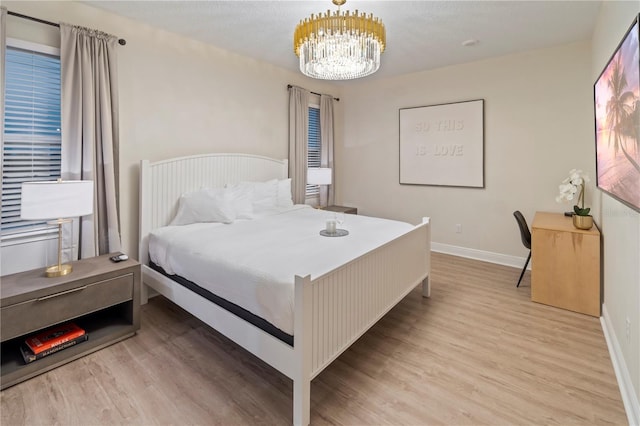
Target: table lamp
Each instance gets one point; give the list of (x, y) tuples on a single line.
[(319, 176), (59, 200)]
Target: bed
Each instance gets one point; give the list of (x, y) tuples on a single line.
[(330, 308)]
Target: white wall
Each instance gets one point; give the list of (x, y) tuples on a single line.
[(177, 96), (620, 229), (538, 126)]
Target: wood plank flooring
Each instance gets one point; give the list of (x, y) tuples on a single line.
[(478, 352)]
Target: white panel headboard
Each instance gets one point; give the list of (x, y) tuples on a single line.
[(163, 182)]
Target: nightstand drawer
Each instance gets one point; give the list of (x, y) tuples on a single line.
[(35, 314)]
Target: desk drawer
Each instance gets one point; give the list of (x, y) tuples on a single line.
[(33, 315)]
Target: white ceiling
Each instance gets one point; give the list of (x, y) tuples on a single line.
[(421, 35)]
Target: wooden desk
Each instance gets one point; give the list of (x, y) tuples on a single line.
[(565, 264)]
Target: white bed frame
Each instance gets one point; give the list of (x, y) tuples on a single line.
[(330, 313)]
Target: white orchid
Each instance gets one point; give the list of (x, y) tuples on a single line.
[(570, 187)]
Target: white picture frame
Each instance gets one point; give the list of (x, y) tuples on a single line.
[(443, 145)]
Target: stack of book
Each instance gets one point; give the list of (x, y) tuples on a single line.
[(52, 340)]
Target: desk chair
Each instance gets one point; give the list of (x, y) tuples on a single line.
[(526, 239)]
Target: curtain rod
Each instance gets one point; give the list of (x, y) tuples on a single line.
[(319, 94), (121, 41)]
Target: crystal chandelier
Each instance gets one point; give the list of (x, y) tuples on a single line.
[(339, 46)]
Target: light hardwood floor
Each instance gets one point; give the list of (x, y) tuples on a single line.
[(477, 352)]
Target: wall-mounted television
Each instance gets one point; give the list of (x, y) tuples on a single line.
[(617, 120)]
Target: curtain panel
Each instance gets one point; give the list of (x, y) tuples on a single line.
[(298, 142), (327, 194), (3, 51), (90, 131)]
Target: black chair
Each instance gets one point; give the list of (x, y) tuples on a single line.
[(526, 239)]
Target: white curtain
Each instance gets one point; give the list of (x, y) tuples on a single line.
[(90, 130), (327, 194), (298, 140)]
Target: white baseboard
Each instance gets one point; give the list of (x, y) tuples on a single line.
[(486, 256), (629, 398)]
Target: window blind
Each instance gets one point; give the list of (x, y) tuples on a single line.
[(32, 138), (313, 152)]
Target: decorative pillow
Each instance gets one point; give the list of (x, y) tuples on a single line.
[(207, 205), (284, 193)]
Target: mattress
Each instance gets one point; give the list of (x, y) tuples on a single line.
[(253, 263)]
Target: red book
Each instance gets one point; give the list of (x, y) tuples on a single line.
[(29, 356), (54, 336)]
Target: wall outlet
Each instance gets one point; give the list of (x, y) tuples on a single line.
[(628, 330), (458, 228)]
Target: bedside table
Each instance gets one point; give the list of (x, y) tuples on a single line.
[(100, 296), (341, 209)]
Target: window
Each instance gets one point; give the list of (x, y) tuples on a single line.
[(313, 153), (32, 138)]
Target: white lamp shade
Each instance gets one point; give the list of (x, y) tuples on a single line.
[(56, 199), (319, 176)]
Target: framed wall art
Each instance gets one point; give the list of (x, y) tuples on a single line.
[(443, 144), (617, 120)]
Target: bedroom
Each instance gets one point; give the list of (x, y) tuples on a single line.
[(171, 85)]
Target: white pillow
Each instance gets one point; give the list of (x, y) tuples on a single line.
[(241, 198), (264, 195), (207, 205), (284, 193)]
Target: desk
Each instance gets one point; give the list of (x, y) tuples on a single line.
[(565, 264)]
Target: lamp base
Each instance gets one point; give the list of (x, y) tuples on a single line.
[(58, 271)]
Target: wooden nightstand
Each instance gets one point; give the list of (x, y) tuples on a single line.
[(341, 209), (100, 296)]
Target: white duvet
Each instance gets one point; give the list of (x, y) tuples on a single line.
[(252, 263)]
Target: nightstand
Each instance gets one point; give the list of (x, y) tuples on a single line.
[(341, 209), (100, 296)]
